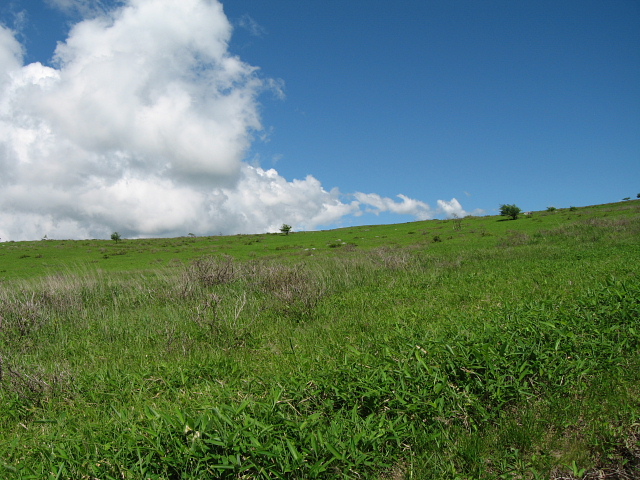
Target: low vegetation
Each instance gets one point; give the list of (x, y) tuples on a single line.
[(501, 350)]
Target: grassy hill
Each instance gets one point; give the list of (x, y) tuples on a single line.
[(468, 348)]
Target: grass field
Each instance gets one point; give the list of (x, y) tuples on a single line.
[(447, 349)]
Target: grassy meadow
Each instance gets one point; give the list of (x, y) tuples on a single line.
[(475, 348)]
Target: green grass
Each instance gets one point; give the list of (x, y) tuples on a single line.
[(501, 349)]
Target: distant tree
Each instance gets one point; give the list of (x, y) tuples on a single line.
[(115, 236), (510, 211), (626, 198), (285, 228), (638, 196), (551, 209)]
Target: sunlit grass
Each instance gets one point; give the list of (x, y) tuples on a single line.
[(509, 349)]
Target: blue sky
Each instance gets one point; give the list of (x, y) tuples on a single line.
[(532, 103), (536, 103)]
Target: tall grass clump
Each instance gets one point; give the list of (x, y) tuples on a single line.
[(291, 290)]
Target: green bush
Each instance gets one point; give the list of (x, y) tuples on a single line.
[(510, 211)]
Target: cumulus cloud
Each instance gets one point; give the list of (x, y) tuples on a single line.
[(452, 208), (141, 125), (376, 204), (10, 54)]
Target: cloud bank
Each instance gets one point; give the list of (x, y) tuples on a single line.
[(141, 126)]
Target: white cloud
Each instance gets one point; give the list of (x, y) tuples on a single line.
[(11, 53), (453, 209), (263, 199), (376, 204), (142, 126)]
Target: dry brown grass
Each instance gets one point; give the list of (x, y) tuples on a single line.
[(391, 258), (31, 384), (211, 270), (297, 289)]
